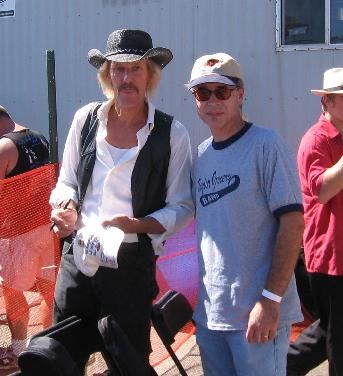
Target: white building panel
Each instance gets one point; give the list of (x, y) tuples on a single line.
[(278, 83)]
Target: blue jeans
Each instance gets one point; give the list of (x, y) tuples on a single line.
[(228, 353)]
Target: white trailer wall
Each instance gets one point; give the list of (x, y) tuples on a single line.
[(278, 83)]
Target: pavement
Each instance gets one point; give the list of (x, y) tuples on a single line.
[(190, 359), (189, 356), (188, 353)]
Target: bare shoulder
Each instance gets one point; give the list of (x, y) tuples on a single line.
[(8, 156), (6, 145)]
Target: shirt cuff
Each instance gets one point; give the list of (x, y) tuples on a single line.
[(60, 195), (167, 218)]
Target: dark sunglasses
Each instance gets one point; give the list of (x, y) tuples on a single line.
[(203, 94)]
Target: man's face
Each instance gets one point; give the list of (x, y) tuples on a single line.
[(218, 112), (130, 81), (334, 106)]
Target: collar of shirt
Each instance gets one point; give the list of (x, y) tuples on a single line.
[(142, 134), (330, 129)]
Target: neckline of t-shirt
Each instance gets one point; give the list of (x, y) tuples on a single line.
[(223, 144)]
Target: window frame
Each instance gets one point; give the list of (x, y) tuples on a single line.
[(305, 47)]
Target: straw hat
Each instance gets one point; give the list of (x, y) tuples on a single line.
[(332, 83)]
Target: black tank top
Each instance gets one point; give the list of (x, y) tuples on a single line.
[(33, 149)]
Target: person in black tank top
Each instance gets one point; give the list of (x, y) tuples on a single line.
[(21, 150), (25, 149)]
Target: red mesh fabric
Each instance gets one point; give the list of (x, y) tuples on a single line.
[(24, 224), (300, 326), (25, 201)]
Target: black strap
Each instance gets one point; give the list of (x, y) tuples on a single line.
[(87, 143), (90, 127)]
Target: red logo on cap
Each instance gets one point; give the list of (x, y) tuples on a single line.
[(212, 62)]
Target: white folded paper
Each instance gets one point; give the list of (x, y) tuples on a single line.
[(94, 246)]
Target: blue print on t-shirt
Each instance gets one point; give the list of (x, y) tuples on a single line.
[(227, 183)]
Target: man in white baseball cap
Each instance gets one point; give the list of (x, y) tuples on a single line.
[(320, 163), (249, 228)]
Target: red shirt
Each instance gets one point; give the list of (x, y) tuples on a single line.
[(320, 148)]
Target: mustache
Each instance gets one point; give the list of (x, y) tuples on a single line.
[(127, 86)]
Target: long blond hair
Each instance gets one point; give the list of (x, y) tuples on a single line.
[(110, 92)]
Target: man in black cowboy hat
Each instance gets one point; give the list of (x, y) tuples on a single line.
[(129, 168), (320, 163)]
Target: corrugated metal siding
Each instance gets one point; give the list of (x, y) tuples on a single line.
[(278, 83)]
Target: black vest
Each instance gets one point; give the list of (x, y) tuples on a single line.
[(148, 180), (33, 150)]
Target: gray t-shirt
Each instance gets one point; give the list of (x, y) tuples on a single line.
[(241, 186)]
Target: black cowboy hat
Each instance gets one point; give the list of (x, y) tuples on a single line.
[(130, 45)]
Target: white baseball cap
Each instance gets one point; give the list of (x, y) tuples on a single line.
[(219, 67)]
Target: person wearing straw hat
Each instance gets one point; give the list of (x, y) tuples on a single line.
[(24, 259), (135, 175), (320, 164), (249, 227)]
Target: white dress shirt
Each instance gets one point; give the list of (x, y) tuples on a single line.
[(109, 190)]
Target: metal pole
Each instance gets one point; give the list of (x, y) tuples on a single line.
[(53, 137)]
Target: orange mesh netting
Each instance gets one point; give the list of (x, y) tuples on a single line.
[(25, 201), (300, 326), (28, 251)]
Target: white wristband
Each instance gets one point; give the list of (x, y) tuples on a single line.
[(269, 295)]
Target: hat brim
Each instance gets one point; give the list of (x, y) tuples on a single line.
[(210, 78), (160, 55), (321, 92)]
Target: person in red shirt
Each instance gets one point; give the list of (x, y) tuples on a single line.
[(320, 163)]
